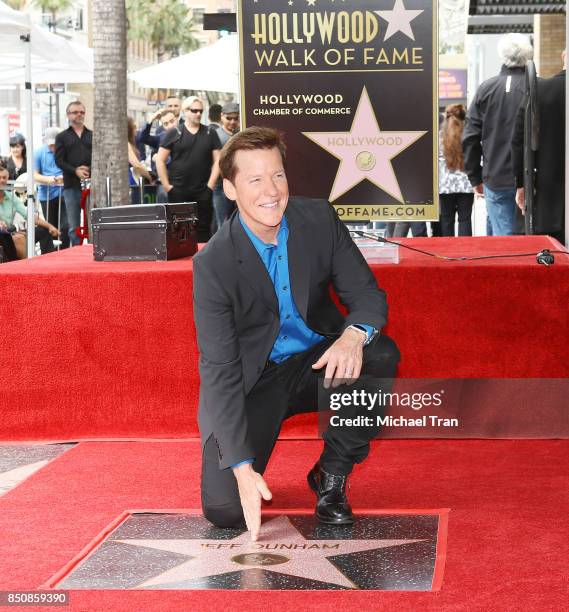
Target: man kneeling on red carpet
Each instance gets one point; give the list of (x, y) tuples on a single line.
[(269, 334)]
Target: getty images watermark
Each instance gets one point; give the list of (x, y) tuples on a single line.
[(360, 403), (449, 407)]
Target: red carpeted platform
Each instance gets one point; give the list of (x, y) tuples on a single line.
[(108, 350), (507, 524)]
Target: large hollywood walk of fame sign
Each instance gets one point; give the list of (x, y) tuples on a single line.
[(352, 84), (157, 550)]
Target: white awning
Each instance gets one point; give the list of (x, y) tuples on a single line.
[(211, 68)]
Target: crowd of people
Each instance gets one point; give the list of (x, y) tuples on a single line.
[(174, 152), (60, 166), (481, 154), (177, 156)]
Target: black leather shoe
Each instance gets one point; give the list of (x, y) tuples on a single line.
[(332, 506)]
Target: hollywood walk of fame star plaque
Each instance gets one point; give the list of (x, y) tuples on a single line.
[(395, 550), (353, 86)]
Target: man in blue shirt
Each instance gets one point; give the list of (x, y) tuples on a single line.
[(269, 331), (50, 191)]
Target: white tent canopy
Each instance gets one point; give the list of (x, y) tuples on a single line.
[(55, 73), (54, 59), (211, 68)]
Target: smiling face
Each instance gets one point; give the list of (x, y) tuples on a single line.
[(17, 149), (260, 189), (173, 104)]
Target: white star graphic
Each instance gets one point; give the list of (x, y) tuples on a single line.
[(283, 550), (365, 152), (14, 477), (399, 19)]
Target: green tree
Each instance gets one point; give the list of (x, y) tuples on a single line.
[(16, 4), (53, 7), (165, 24)]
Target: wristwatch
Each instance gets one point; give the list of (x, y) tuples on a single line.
[(363, 330)]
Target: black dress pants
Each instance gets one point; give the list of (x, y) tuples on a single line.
[(8, 249), (284, 390), (205, 208), (459, 204), (42, 236), (45, 240)]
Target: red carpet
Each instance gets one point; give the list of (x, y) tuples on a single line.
[(108, 350), (507, 525)]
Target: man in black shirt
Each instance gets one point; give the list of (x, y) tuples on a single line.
[(193, 170), (73, 155)]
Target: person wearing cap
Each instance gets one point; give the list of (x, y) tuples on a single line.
[(222, 206), (49, 176), (16, 162)]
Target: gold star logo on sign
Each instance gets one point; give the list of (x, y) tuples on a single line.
[(365, 160), (365, 152)]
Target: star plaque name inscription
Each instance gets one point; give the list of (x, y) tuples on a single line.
[(184, 551)]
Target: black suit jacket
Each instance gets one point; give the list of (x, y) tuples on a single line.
[(237, 315), (488, 129), (549, 212)]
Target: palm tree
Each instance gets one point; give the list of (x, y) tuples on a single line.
[(164, 24), (110, 158), (16, 4), (53, 7)]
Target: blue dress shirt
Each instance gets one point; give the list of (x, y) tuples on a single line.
[(294, 335)]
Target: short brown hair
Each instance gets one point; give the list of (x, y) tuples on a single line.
[(251, 139), (74, 103)]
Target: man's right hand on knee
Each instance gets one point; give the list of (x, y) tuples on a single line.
[(252, 488)]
